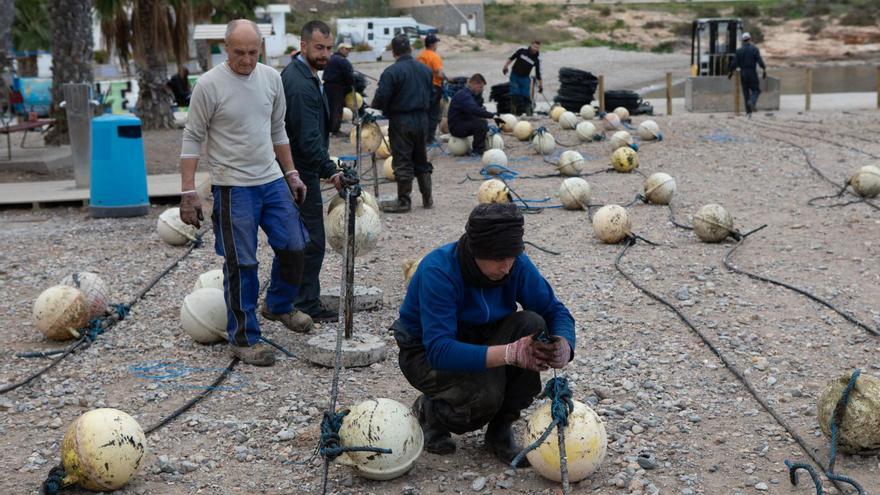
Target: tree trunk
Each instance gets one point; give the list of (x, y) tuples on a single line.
[(71, 56), (7, 16), (154, 100)]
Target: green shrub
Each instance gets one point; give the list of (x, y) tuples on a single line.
[(858, 19), (605, 11), (756, 32), (682, 29), (418, 44), (746, 10), (654, 25), (708, 11), (813, 26), (664, 47)]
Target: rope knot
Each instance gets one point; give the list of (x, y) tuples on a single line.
[(122, 310), (54, 481), (329, 446)]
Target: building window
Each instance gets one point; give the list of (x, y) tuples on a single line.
[(397, 31), (370, 36), (369, 25), (387, 31)]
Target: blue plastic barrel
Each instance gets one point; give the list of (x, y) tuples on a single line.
[(119, 172)]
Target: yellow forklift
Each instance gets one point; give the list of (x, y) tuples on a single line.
[(713, 44)]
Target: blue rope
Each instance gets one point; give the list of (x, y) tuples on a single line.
[(329, 448), (54, 481), (562, 404), (499, 171)]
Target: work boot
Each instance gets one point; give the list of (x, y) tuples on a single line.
[(425, 189), (437, 439), (324, 315), (501, 441), (258, 354), (403, 203), (295, 320)]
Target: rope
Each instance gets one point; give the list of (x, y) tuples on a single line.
[(674, 221), (277, 346), (539, 248), (54, 481), (766, 125), (727, 363), (329, 447), (730, 266)]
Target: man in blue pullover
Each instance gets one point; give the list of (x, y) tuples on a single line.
[(464, 344), (467, 117)]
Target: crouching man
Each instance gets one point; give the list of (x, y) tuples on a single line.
[(464, 344)]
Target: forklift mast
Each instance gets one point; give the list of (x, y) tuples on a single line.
[(713, 45)]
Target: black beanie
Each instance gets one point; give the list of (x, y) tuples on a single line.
[(495, 231)]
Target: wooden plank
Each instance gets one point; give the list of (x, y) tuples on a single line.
[(61, 191)]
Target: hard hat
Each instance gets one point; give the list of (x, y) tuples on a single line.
[(494, 141), (622, 113), (611, 224), (859, 431), (60, 311), (509, 120), (586, 131), (568, 120), (866, 181), (624, 160), (543, 142), (585, 443), (203, 315), (93, 288), (571, 163), (493, 191), (383, 151), (382, 423), (611, 121), (172, 229), (102, 449), (347, 114), (494, 157), (365, 198), (556, 111), (367, 228), (354, 103), (211, 278), (458, 146), (409, 269), (713, 223), (574, 193), (648, 130), (659, 188), (523, 130), (588, 111), (388, 169), (620, 139), (371, 137)]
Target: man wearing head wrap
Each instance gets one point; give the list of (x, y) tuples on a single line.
[(463, 342)]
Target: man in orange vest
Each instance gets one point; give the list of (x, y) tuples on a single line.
[(430, 58)]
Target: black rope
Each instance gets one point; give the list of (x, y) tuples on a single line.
[(800, 128), (69, 351), (767, 125), (676, 222), (539, 248)]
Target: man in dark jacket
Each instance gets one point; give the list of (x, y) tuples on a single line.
[(463, 342), (747, 60), (467, 117), (307, 122), (404, 96), (338, 80)]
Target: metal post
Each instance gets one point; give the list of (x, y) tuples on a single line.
[(601, 93), (669, 93), (348, 295), (878, 87), (376, 176), (737, 92), (78, 106), (808, 91)]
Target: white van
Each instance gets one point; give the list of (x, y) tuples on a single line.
[(377, 32)]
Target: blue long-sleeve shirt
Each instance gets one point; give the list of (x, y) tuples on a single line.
[(464, 106), (438, 303)]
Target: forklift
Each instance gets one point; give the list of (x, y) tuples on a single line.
[(713, 45)]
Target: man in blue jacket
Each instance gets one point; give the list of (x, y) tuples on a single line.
[(747, 60), (463, 343), (467, 117)]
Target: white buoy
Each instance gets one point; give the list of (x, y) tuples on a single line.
[(620, 139), (367, 229), (713, 223), (571, 163), (203, 315), (494, 157), (523, 130), (458, 146), (211, 278), (93, 288), (574, 193), (586, 131), (866, 181), (659, 188), (568, 120), (588, 112), (493, 191), (622, 113), (648, 130), (172, 230), (543, 142), (509, 120), (611, 224), (611, 121), (60, 311)]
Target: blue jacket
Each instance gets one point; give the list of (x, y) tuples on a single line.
[(438, 302), (464, 106)]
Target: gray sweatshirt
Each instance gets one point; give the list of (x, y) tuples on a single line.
[(239, 118)]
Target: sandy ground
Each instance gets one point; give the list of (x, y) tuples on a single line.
[(656, 386)]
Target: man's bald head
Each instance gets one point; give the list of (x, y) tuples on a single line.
[(243, 40)]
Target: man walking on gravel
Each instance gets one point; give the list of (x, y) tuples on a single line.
[(747, 60), (524, 60), (308, 127), (237, 110), (404, 95), (464, 344)]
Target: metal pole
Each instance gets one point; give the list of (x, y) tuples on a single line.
[(808, 91), (348, 299), (601, 93), (78, 106), (878, 87), (375, 177), (669, 93), (737, 91)]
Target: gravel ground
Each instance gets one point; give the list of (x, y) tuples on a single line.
[(657, 387)]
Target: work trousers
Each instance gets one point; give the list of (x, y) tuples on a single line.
[(520, 93), (237, 213), (461, 402), (309, 298), (434, 113), (751, 88), (336, 101), (471, 127), (407, 139)]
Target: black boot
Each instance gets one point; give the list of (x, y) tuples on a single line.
[(403, 203), (438, 440), (425, 189), (501, 441)]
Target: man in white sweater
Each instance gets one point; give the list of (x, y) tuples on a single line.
[(237, 110)]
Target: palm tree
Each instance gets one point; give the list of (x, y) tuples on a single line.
[(7, 16), (71, 23)]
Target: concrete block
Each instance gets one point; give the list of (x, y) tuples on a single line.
[(360, 350), (715, 94), (365, 298)]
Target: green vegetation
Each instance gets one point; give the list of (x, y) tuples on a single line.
[(664, 47), (30, 31), (617, 45)]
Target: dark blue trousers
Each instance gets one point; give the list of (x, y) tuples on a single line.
[(238, 212)]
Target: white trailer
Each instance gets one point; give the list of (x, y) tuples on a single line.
[(376, 32)]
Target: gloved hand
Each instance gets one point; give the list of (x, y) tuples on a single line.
[(498, 120), (528, 353), (191, 209), (540, 86), (296, 185), (504, 71), (339, 181), (764, 76), (561, 350)]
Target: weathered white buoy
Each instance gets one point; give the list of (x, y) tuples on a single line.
[(574, 193), (371, 137), (493, 191), (624, 160), (866, 181), (347, 114), (172, 229), (494, 157), (203, 315), (409, 267), (60, 311), (458, 146), (713, 223), (611, 121), (588, 111), (621, 139), (354, 103), (659, 188), (384, 150), (509, 120), (611, 224), (586, 131), (556, 111), (102, 450), (860, 426), (388, 169), (494, 141), (648, 130), (586, 443), (622, 113), (211, 278), (367, 228), (93, 288), (571, 163), (543, 142), (383, 423), (523, 130), (568, 120), (365, 198)]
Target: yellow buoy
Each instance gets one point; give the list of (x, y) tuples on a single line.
[(384, 150), (409, 267), (622, 113), (523, 130), (354, 103), (371, 137), (383, 423), (625, 160), (586, 443), (556, 112), (388, 168)]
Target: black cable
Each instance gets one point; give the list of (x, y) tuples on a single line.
[(674, 221), (539, 248), (69, 351), (798, 128)]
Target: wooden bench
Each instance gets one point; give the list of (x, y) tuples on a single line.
[(23, 127)]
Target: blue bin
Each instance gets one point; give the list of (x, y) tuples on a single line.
[(119, 173)]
